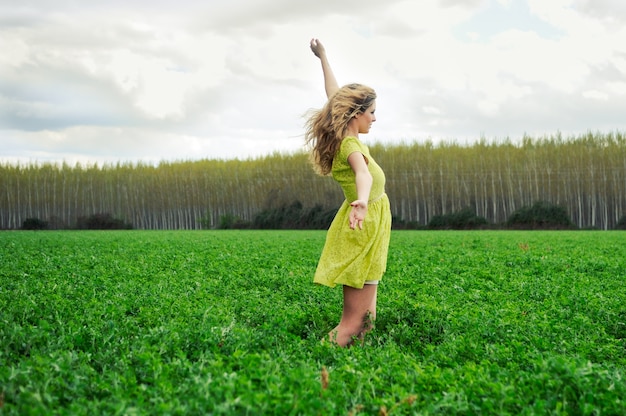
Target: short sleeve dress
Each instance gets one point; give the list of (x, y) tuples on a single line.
[(350, 257)]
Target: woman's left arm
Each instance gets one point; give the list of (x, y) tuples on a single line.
[(364, 180)]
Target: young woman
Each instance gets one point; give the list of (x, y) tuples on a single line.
[(355, 251)]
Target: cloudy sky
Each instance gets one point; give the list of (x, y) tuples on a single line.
[(138, 80)]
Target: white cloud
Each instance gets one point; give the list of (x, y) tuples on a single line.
[(161, 80), (618, 88), (596, 95), (14, 51), (430, 110)]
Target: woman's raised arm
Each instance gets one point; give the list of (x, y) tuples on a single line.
[(330, 83)]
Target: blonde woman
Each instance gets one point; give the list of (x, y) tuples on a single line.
[(355, 252)]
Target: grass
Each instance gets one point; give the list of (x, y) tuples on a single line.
[(228, 322)]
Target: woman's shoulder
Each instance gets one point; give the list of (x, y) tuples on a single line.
[(351, 144), (351, 141)]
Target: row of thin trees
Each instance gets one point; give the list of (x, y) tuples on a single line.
[(585, 174)]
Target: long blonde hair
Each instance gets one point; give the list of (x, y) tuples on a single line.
[(326, 127)]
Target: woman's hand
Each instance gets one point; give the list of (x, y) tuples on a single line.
[(358, 213), (317, 48)]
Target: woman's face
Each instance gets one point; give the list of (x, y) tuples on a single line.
[(366, 118)]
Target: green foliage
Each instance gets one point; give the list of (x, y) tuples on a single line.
[(34, 224), (401, 224), (229, 322), (465, 219), (540, 216), (317, 217), (205, 222), (283, 217), (232, 222), (102, 221), (293, 217), (226, 222)]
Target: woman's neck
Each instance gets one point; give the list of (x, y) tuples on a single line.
[(351, 133)]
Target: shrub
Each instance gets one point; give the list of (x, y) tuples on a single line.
[(318, 218), (540, 216), (232, 222), (283, 217), (465, 219), (102, 221), (294, 216), (34, 224), (398, 223), (621, 224), (205, 222)]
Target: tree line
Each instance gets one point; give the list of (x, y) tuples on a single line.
[(585, 175)]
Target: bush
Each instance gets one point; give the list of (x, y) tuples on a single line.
[(398, 223), (102, 221), (232, 222), (621, 224), (540, 216), (284, 217), (294, 216), (34, 224), (318, 218), (465, 219)]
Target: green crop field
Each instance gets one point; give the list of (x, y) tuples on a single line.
[(228, 322)]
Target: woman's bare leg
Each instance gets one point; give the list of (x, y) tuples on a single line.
[(359, 313)]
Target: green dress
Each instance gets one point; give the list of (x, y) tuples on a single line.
[(350, 257)]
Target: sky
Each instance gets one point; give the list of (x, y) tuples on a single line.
[(150, 81)]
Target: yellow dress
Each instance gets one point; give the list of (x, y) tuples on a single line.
[(350, 257)]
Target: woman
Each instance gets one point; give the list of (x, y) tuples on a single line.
[(355, 252)]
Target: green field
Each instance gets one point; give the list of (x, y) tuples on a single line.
[(228, 322)]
